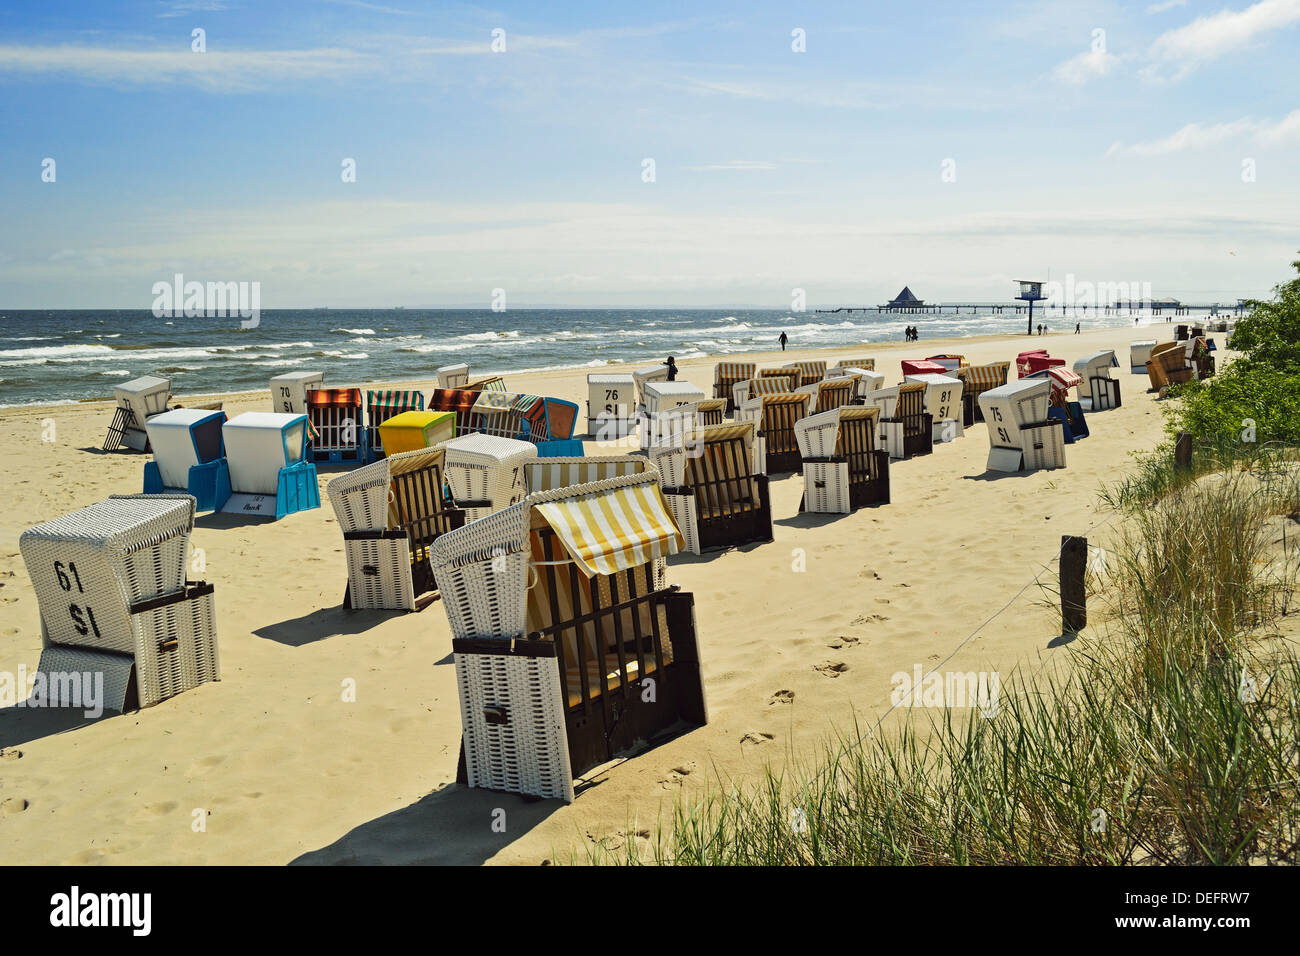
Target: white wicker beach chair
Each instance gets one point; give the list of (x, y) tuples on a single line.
[(611, 405), (289, 391), (842, 467), (1099, 391), (727, 375), (453, 376), (136, 402), (486, 472), (1139, 354), (569, 646), (390, 512), (943, 402), (655, 373), (715, 495), (1013, 413), (270, 475), (110, 583)]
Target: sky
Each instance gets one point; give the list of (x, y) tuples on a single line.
[(674, 154)]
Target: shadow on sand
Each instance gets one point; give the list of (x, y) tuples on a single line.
[(20, 725), (321, 624), (453, 826)]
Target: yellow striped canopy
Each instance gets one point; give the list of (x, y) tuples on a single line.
[(866, 364), (985, 376), (769, 385), (733, 371), (812, 371), (614, 530)]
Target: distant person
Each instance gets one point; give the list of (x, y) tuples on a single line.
[(672, 368), (1076, 327), (783, 340)]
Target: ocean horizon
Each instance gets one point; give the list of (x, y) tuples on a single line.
[(76, 355)]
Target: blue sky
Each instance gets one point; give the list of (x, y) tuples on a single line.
[(949, 146)]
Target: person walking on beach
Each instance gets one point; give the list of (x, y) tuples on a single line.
[(783, 340), (672, 369), (1076, 327)]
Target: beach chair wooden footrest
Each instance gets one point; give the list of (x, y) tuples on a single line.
[(1044, 444), (379, 570), (512, 713), (681, 505), (64, 672), (826, 486)]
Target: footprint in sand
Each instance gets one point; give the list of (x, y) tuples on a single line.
[(832, 668), (782, 697), (756, 738), (156, 809), (677, 776), (11, 805), (11, 754), (844, 640)]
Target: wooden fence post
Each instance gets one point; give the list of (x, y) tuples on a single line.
[(1074, 596)]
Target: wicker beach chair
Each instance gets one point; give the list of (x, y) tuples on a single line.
[(784, 383), (492, 383), (1099, 391), (834, 392), (383, 404), (950, 361), (868, 364), (289, 391), (943, 403), (270, 474), (390, 512), (976, 380), (549, 424), (1020, 430), (908, 429), (569, 645), (189, 457), (1074, 425), (136, 402), (453, 376), (486, 472), (775, 417), (715, 496), (501, 414), (1200, 355), (611, 405), (338, 426), (842, 467), (1168, 365), (641, 376), (667, 408), (114, 602), (809, 371), (461, 401), (726, 375), (1139, 354)]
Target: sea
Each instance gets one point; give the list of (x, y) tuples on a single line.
[(68, 356)]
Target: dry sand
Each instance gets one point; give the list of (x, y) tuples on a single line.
[(283, 770)]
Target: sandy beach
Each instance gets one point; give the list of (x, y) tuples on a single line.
[(280, 768)]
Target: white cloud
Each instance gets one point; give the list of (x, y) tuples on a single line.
[(1191, 136), (1210, 37), (228, 70), (1166, 5), (1284, 130), (1196, 136), (1084, 67)]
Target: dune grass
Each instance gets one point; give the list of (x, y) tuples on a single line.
[(1169, 737)]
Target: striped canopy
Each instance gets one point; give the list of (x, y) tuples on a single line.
[(812, 371), (869, 364), (769, 385), (395, 398), (984, 377), (728, 372), (350, 397), (613, 529)]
